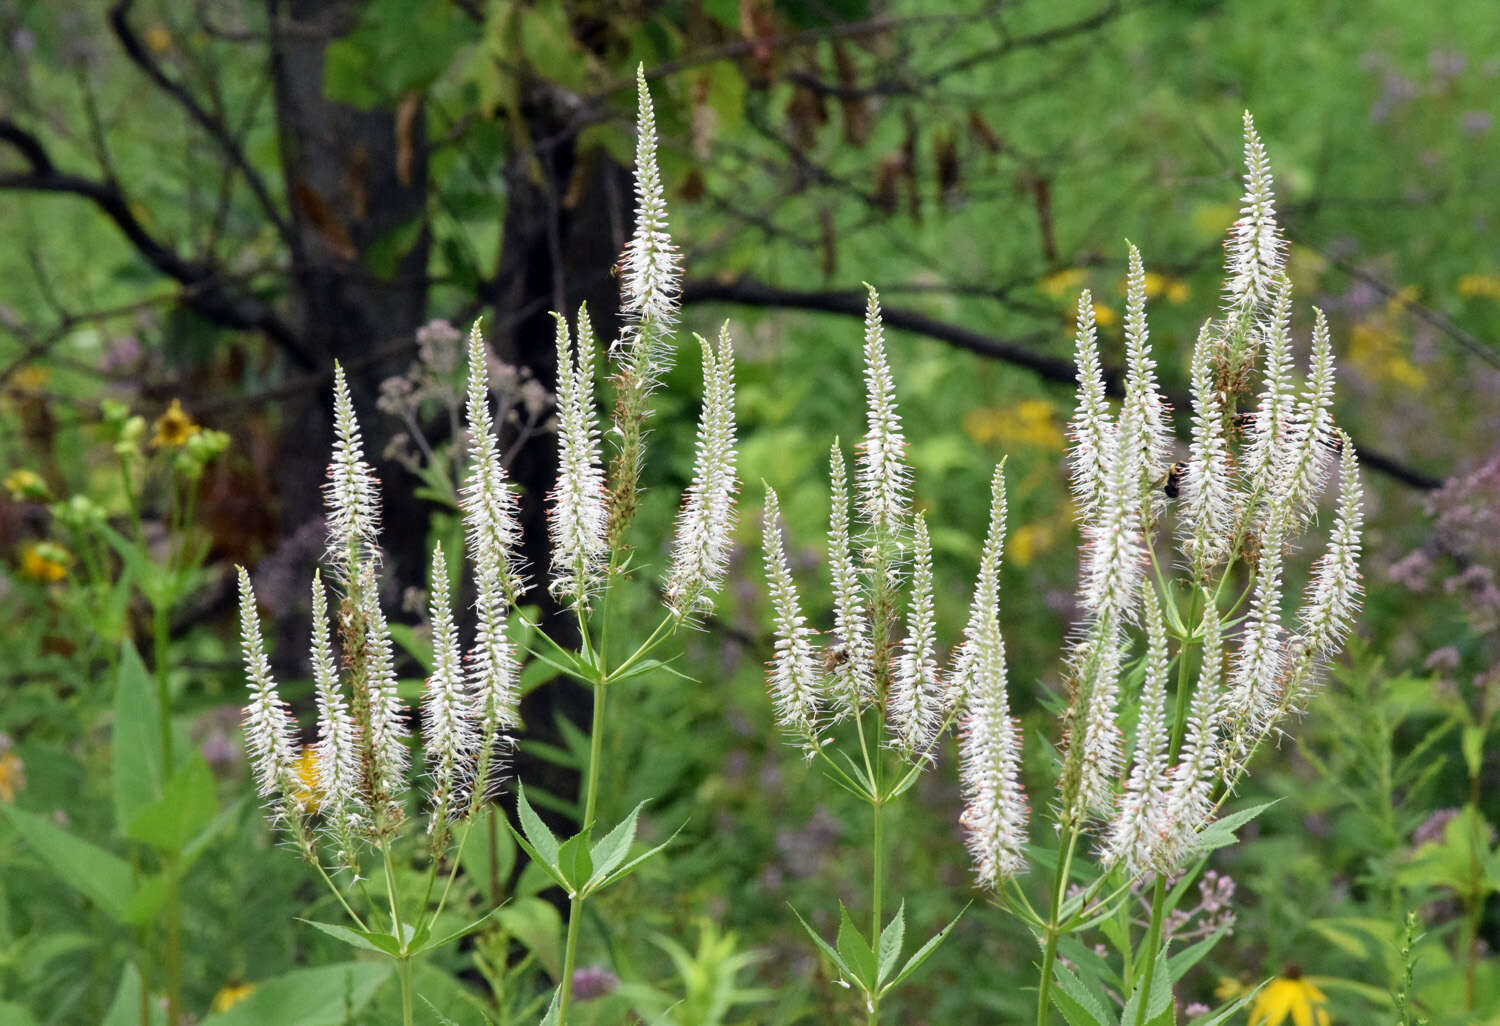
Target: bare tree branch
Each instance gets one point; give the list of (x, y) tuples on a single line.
[(205, 293), (119, 16)]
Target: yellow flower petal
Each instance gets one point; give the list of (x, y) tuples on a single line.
[(174, 427)]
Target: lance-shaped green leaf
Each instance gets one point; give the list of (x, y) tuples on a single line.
[(136, 744), (187, 805), (635, 863), (923, 953), (1221, 1015), (613, 847), (364, 940), (553, 1009), (1220, 833), (1179, 964), (890, 943), (95, 873), (536, 839), (423, 940), (1079, 1005), (324, 996), (858, 955), (574, 862), (823, 945), (1158, 1002)]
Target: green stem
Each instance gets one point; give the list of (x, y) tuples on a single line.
[(878, 873), (1049, 949), (403, 971), (655, 639), (1153, 942), (174, 949), (162, 640), (575, 901), (390, 893)]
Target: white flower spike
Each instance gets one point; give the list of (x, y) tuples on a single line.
[(270, 731), (577, 519), (792, 680), (995, 811), (705, 526)]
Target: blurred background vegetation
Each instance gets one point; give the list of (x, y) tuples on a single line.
[(205, 204)]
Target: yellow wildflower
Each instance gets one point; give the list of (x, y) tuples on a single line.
[(12, 776), (1375, 350), (25, 484), (1472, 286), (1031, 423), (1028, 541), (231, 995), (158, 39), (1062, 283), (307, 797), (32, 378), (1228, 988), (45, 562), (1177, 292), (1105, 316), (175, 426), (1290, 997)]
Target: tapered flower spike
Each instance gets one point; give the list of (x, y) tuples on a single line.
[(338, 740), (1255, 688), (577, 517), (1256, 252), (1207, 489), (447, 709), (352, 494), (884, 479), (1333, 596), (1143, 401), (1134, 833), (1114, 553), (649, 302), (1092, 426), (649, 282), (854, 673), (704, 536), (1306, 456), (270, 731), (1188, 801), (995, 810), (492, 682), (1098, 741), (389, 757), (491, 523), (493, 537), (985, 606), (793, 679), (1273, 423), (915, 705)]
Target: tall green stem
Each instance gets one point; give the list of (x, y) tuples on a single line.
[(1159, 893), (590, 800), (1049, 949), (1153, 942), (878, 873), (403, 971)]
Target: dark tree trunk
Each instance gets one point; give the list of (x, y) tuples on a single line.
[(354, 179)]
